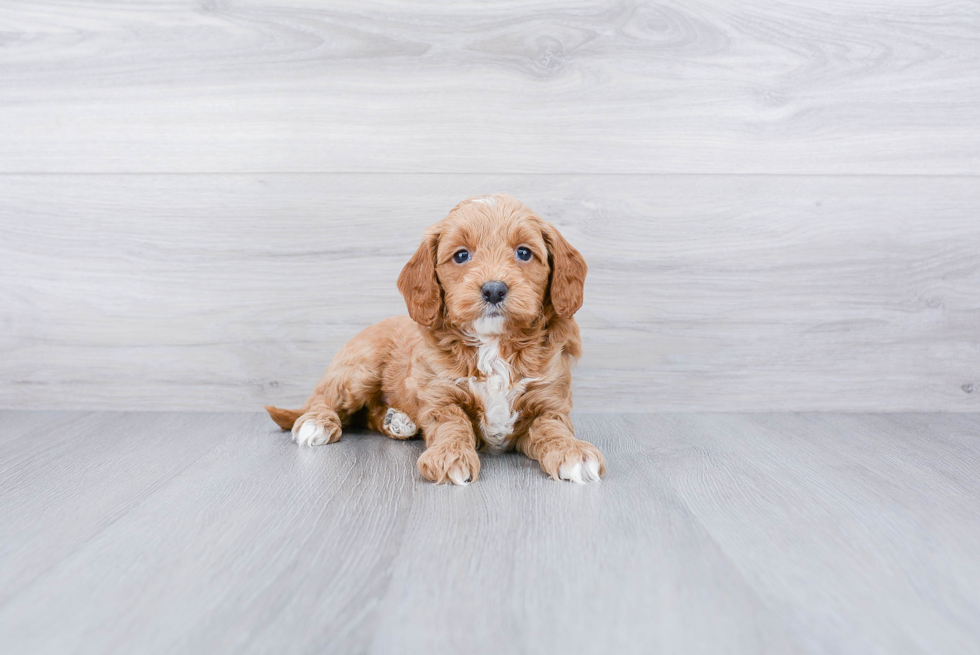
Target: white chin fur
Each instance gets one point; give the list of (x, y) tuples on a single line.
[(487, 325)]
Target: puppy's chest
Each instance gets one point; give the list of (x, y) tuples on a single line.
[(498, 392)]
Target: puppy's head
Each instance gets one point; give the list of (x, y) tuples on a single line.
[(492, 265)]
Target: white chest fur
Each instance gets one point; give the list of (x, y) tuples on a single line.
[(495, 389)]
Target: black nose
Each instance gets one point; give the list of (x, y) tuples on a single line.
[(494, 291)]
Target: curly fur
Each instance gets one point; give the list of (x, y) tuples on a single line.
[(468, 374)]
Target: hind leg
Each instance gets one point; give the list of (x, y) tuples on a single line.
[(352, 381), (319, 424)]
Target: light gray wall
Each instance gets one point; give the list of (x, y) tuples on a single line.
[(779, 202)]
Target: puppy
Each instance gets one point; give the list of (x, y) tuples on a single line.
[(485, 359)]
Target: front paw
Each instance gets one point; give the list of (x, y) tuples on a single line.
[(573, 460), (456, 463), (316, 429)]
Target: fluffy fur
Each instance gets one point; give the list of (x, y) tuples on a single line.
[(468, 374)]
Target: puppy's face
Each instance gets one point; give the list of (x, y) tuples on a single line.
[(492, 265)]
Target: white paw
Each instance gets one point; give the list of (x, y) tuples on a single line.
[(460, 475), (399, 424), (580, 472), (310, 434)]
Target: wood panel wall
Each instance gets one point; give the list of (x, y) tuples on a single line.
[(779, 202)]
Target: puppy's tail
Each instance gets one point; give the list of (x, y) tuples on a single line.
[(284, 418)]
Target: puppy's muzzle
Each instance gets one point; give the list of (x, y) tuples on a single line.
[(494, 292)]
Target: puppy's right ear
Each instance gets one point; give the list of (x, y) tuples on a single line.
[(419, 285)]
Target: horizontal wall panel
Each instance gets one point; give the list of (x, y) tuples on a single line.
[(704, 292), (545, 86)]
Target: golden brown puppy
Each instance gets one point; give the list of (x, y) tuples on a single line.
[(485, 359)]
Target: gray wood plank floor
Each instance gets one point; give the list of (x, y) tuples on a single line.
[(735, 533)]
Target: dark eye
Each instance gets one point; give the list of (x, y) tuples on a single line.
[(523, 253), (462, 256)]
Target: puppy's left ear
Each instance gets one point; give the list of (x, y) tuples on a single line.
[(419, 285), (568, 270)]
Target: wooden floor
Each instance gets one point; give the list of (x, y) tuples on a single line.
[(712, 533)]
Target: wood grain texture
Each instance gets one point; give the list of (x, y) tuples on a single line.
[(704, 292), (256, 528), (802, 504), (530, 567), (95, 468), (734, 533), (508, 87)]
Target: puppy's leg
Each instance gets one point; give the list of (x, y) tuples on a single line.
[(319, 424), (450, 447), (551, 441), (351, 381)]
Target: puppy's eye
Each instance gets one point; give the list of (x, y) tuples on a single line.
[(523, 253), (462, 256)]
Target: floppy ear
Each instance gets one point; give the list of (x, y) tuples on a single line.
[(419, 285), (568, 271)]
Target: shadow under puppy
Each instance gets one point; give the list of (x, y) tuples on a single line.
[(485, 359)]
